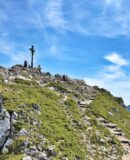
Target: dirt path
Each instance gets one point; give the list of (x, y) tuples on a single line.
[(119, 135)]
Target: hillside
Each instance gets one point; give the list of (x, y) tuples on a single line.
[(45, 117)]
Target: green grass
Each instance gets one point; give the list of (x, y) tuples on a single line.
[(11, 157), (106, 103), (56, 127)]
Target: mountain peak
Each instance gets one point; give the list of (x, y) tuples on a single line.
[(56, 117)]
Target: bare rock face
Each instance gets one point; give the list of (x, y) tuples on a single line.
[(3, 72), (4, 127)]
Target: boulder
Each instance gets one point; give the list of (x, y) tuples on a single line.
[(4, 127), (84, 103), (64, 158), (35, 106), (51, 151), (23, 132), (110, 113), (42, 156), (27, 158)]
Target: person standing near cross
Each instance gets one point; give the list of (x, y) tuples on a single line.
[(32, 55)]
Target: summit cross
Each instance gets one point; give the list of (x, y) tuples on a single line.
[(32, 55)]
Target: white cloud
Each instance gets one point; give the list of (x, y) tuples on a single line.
[(116, 59), (113, 78), (10, 50), (54, 48), (54, 14), (120, 88), (113, 72), (115, 3), (111, 18)]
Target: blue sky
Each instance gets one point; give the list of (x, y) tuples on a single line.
[(86, 39)]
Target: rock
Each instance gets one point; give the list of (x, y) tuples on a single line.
[(35, 106), (102, 120), (23, 132), (15, 116), (86, 118), (118, 133), (84, 103), (5, 150), (39, 148), (1, 102), (6, 145), (111, 114), (52, 88), (111, 125), (22, 78), (51, 151), (102, 140), (64, 158), (26, 143), (6, 81), (27, 158), (33, 122), (32, 150), (42, 156), (89, 128), (4, 127), (3, 72)]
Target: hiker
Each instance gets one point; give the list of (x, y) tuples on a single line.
[(25, 64), (39, 68)]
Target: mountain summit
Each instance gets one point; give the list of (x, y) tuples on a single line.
[(46, 117)]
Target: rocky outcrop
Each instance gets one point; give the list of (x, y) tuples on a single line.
[(7, 119), (4, 125), (118, 133)]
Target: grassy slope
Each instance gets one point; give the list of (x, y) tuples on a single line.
[(106, 103), (56, 127)]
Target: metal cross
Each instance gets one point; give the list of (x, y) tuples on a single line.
[(32, 54)]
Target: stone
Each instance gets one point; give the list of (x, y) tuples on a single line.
[(27, 158), (15, 116), (102, 140), (1, 102), (64, 158), (6, 81), (52, 88), (86, 118), (42, 156), (23, 78), (23, 132), (33, 121), (4, 127), (84, 103), (51, 151), (5, 150), (6, 145), (35, 106), (111, 114), (26, 143), (111, 125)]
